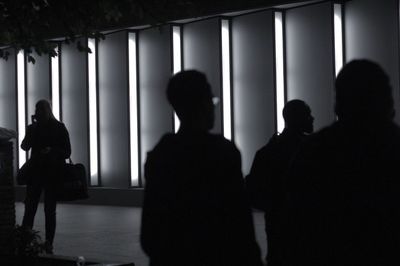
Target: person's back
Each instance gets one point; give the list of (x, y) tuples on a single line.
[(343, 195), (194, 210), (266, 182)]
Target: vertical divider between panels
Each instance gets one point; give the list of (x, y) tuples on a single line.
[(93, 113), (280, 71), (139, 137), (231, 81), (60, 81), (133, 107), (21, 103), (54, 63), (97, 116), (226, 77), (176, 48)]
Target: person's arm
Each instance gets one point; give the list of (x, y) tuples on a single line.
[(28, 139), (63, 147)]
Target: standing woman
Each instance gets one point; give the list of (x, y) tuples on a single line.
[(49, 141)]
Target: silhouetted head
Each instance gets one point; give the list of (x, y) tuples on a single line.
[(363, 92), (297, 115), (43, 112), (190, 95)]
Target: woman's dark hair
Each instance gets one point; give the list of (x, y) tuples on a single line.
[(363, 92)]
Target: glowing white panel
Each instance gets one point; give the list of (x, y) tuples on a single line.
[(21, 105), (337, 9), (133, 109), (177, 57), (279, 70), (94, 177), (55, 85), (226, 78)]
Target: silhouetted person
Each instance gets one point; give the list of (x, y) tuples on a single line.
[(49, 142), (195, 211), (344, 200), (266, 184)]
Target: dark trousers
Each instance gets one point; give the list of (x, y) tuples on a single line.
[(274, 229), (33, 192)]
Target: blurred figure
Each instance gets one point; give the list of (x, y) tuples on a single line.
[(266, 184), (49, 142), (194, 211), (343, 200)]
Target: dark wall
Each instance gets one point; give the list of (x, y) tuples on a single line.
[(372, 32), (253, 83), (310, 60), (202, 51), (74, 101), (155, 68), (113, 111)]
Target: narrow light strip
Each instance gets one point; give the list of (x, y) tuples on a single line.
[(21, 105), (133, 109), (279, 70), (337, 9), (177, 63), (55, 85), (94, 177), (226, 78)]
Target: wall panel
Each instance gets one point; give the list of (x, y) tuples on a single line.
[(37, 83), (8, 92), (372, 32), (310, 61), (155, 68), (113, 111), (253, 83), (74, 101), (202, 51)]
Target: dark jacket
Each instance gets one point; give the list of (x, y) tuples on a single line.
[(40, 136), (344, 200), (195, 211), (266, 181)]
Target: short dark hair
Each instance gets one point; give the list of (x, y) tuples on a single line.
[(295, 110), (186, 90), (363, 91)]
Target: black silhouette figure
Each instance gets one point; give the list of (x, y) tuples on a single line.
[(266, 185), (343, 200), (195, 211), (49, 142)]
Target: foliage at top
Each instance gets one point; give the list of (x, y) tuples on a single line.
[(29, 24)]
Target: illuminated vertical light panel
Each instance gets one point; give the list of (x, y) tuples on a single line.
[(226, 78), (337, 20), (177, 61), (279, 71), (55, 85), (21, 105), (94, 177), (133, 109)]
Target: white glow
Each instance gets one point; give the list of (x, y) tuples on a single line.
[(21, 105), (94, 180), (226, 78), (55, 85), (279, 70), (337, 9), (133, 109), (177, 64)]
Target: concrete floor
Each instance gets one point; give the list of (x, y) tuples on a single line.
[(105, 233)]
